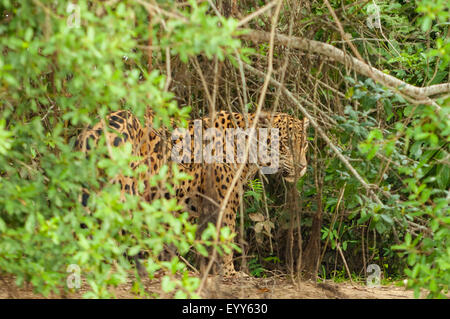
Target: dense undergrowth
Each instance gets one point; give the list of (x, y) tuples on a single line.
[(63, 65)]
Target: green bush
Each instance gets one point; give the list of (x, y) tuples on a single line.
[(61, 66)]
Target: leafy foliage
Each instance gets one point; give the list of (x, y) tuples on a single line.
[(58, 71), (65, 66)]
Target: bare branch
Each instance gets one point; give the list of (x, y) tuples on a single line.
[(258, 12), (343, 34)]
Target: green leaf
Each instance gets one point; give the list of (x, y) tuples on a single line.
[(167, 284), (443, 176), (201, 249), (387, 219), (380, 227), (426, 23), (134, 250)]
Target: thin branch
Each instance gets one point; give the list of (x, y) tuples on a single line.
[(150, 43), (258, 12), (168, 71), (345, 262), (202, 78), (343, 34), (151, 8)]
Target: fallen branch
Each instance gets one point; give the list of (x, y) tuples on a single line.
[(421, 93)]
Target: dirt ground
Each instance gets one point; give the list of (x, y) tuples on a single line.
[(277, 287)]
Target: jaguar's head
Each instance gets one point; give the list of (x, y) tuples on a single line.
[(293, 146)]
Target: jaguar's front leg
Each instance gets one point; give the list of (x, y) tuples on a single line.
[(229, 220)]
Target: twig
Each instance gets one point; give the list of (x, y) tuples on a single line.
[(188, 264), (151, 8), (202, 78), (47, 10), (343, 34), (150, 43), (333, 221), (258, 12), (345, 262), (168, 71)]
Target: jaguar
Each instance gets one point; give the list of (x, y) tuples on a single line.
[(211, 180)]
